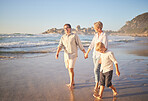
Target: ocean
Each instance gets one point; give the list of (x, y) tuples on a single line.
[(30, 45)]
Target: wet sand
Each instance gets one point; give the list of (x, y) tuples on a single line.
[(44, 78)]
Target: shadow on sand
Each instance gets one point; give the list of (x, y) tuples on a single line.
[(84, 85)]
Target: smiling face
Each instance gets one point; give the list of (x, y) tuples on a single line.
[(67, 29), (98, 26), (97, 29)]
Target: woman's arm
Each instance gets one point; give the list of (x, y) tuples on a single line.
[(86, 55), (91, 46), (105, 41)]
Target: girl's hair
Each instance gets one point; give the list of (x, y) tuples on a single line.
[(99, 45)]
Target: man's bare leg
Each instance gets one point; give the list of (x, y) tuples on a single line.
[(71, 75)]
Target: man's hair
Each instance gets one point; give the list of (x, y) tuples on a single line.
[(68, 25), (98, 24), (99, 45)]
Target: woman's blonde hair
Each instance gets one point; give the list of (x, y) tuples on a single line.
[(99, 45), (98, 24)]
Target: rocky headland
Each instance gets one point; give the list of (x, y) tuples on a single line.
[(138, 26), (78, 30)]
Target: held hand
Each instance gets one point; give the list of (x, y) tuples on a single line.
[(86, 55), (118, 73), (57, 55)]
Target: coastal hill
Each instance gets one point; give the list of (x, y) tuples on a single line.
[(78, 30), (138, 25)]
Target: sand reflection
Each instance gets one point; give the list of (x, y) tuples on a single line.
[(71, 95)]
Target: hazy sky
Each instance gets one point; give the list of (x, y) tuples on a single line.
[(36, 16)]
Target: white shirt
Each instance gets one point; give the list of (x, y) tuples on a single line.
[(70, 44), (107, 60), (102, 38)]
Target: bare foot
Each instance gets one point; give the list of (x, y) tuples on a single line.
[(114, 98), (95, 89), (114, 92), (98, 97), (70, 86)]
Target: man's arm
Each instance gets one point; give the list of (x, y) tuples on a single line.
[(58, 51), (83, 51)]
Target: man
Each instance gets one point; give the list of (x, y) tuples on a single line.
[(70, 42)]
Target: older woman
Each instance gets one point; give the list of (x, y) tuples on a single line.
[(100, 36)]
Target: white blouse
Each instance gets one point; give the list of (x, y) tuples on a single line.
[(102, 38)]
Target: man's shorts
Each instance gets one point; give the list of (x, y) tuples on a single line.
[(70, 63), (106, 78)]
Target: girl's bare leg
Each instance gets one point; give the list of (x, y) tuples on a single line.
[(101, 91), (114, 90)]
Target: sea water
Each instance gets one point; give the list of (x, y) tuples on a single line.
[(22, 45)]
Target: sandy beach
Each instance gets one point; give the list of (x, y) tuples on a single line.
[(44, 78)]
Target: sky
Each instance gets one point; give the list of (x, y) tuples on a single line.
[(37, 16)]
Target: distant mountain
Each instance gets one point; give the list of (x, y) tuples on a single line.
[(77, 30), (138, 25)]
